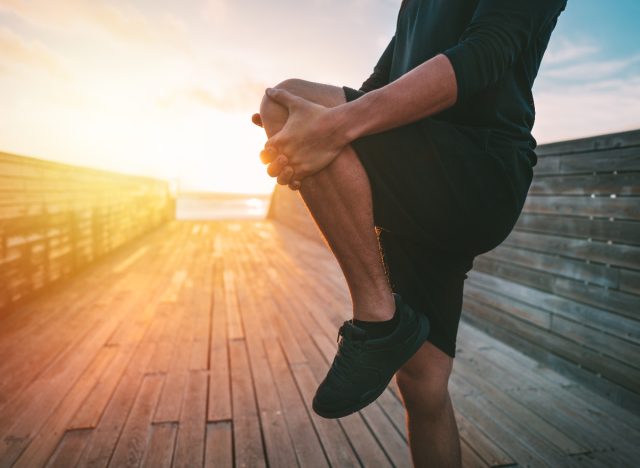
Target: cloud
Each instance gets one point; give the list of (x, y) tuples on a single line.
[(563, 50), (215, 11), (124, 22), (16, 51), (240, 97), (593, 70), (607, 106)]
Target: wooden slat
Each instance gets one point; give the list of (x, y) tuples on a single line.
[(576, 248), (624, 304), (189, 449), (159, 451), (131, 445), (69, 449), (594, 143), (623, 232), (305, 440), (219, 445), (602, 206), (590, 184), (579, 270), (610, 160), (248, 448), (614, 324)]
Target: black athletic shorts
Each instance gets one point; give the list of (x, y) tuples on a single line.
[(441, 196)]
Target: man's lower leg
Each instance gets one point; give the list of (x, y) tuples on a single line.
[(434, 440), (339, 199)]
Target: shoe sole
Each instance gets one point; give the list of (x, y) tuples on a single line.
[(373, 395)]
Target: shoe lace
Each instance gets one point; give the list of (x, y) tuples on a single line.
[(348, 348)]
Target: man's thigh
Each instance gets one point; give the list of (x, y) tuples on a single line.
[(323, 94)]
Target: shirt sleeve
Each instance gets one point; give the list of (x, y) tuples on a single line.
[(380, 75), (499, 30)]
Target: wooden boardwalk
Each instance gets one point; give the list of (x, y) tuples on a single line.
[(202, 345)]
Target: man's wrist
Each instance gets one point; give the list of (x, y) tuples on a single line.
[(347, 119)]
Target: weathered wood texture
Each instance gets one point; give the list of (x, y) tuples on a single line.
[(57, 218), (564, 287), (202, 344)]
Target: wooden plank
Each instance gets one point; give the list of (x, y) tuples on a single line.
[(305, 440), (159, 451), (596, 340), (56, 381), (251, 302), (131, 445), (623, 232), (594, 143), (617, 302), (219, 407), (578, 270), (623, 327), (469, 457), (485, 448), (234, 322), (336, 445), (610, 160), (625, 183), (584, 249), (554, 409), (219, 445), (69, 450), (247, 441), (538, 375), (623, 208), (189, 449), (539, 317), (105, 435), (480, 414), (515, 409), (46, 439)]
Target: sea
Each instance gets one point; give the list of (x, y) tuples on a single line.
[(221, 206)]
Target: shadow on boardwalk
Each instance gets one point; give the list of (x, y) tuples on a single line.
[(203, 343)]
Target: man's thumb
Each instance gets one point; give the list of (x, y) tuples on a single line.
[(281, 96)]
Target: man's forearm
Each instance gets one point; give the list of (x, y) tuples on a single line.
[(424, 91)]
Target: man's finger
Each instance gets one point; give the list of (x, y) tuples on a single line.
[(266, 156), (276, 167), (285, 176), (256, 119), (282, 96), (295, 185)]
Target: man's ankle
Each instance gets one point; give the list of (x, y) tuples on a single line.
[(375, 310)]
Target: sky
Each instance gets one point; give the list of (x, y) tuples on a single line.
[(166, 88)]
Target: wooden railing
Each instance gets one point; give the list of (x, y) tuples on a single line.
[(57, 218), (564, 287)]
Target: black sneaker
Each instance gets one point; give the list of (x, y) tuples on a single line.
[(362, 368)]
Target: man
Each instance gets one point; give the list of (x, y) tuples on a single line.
[(409, 178)]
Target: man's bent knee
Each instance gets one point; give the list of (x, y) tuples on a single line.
[(274, 115)]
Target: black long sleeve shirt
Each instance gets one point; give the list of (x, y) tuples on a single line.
[(495, 48)]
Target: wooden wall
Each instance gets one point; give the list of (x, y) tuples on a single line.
[(564, 287), (57, 218)]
